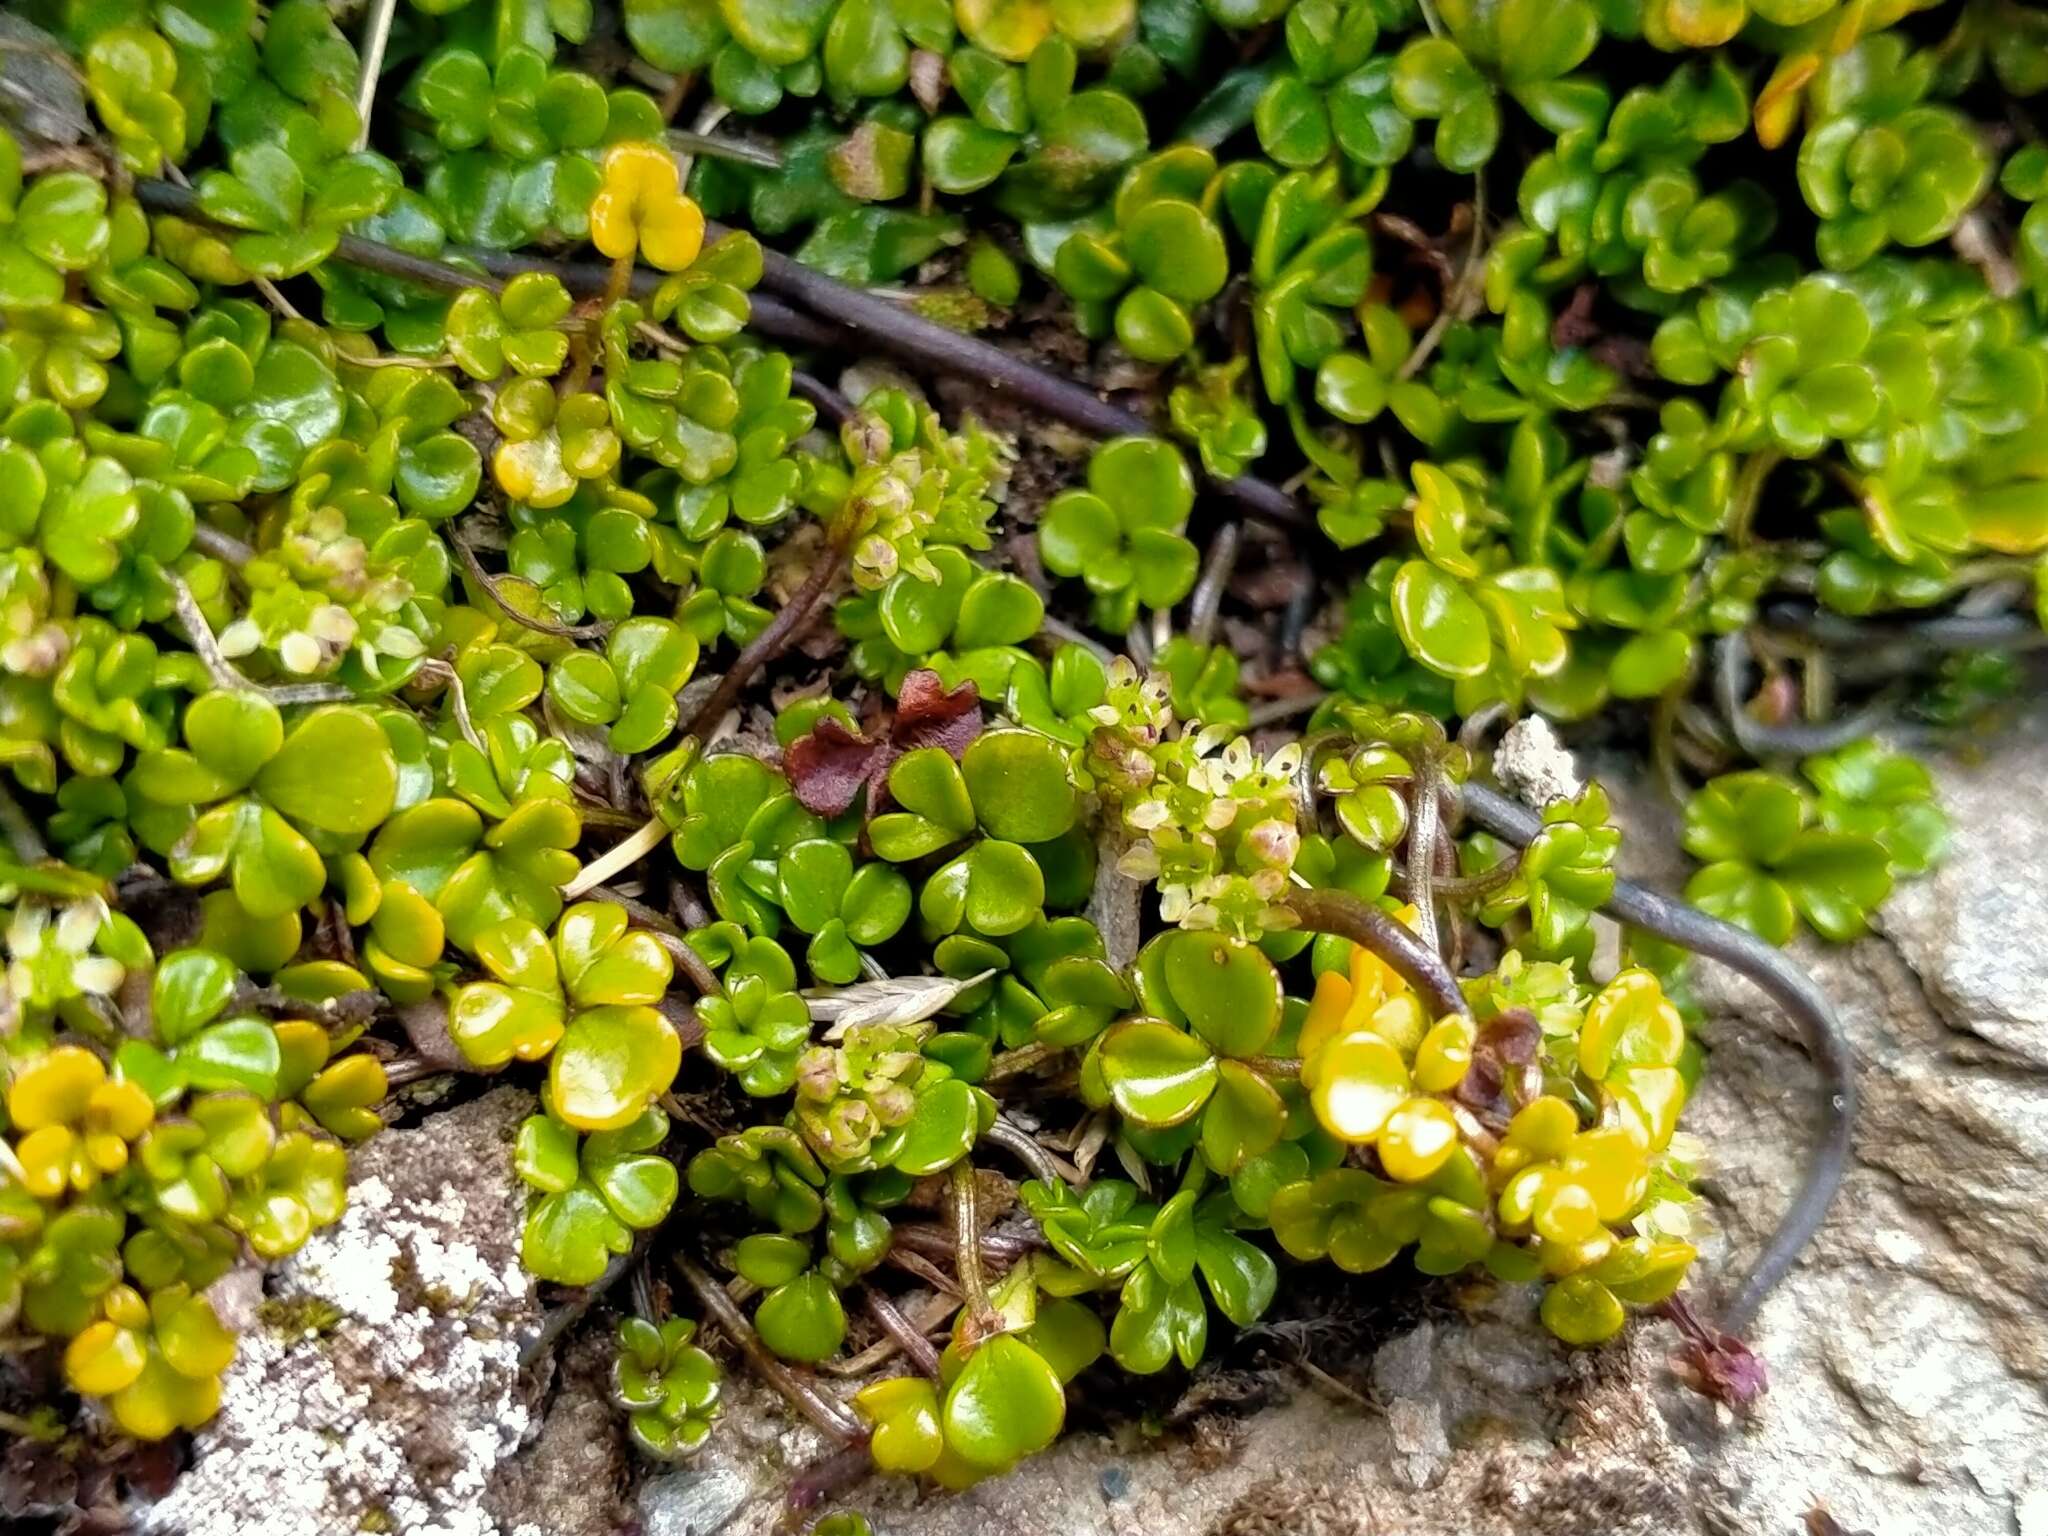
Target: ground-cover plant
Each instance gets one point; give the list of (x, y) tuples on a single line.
[(450, 625)]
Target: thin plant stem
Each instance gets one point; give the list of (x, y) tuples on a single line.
[(458, 700), (879, 323), (376, 35), (901, 1331), (999, 1248), (560, 1320), (816, 311), (597, 629), (1417, 963), (1801, 738), (686, 959), (712, 147), (1276, 710), (1024, 1058), (1067, 634), (1425, 838), (782, 630), (1944, 632), (720, 1308), (224, 672), (224, 547), (1044, 1167), (1207, 602), (618, 858), (399, 360), (966, 1207), (1469, 888), (1455, 295)]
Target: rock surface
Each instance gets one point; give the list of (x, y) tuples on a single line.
[(1907, 1353), (379, 1387)]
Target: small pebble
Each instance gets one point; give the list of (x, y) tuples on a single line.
[(1116, 1483)]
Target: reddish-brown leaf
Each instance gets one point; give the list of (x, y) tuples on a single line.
[(829, 767), (928, 716)]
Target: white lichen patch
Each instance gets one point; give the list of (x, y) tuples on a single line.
[(396, 1416)]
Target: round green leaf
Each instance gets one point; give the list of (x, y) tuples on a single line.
[(1020, 786), (1229, 992), (940, 1131), (334, 772), (1157, 1075), (1005, 888), (611, 1062), (1439, 623), (1006, 1404)]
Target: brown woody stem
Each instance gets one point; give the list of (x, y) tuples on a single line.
[(820, 311), (967, 1247), (1342, 914), (915, 1346), (782, 631), (720, 1308)]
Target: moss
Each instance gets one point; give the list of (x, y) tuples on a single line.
[(297, 1317)]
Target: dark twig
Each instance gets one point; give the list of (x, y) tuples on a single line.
[(1787, 739), (559, 1320), (768, 314), (720, 1308), (670, 935), (782, 631), (1417, 963), (997, 1247), (832, 405), (182, 202), (1207, 601), (224, 547), (881, 323), (915, 1346), (1276, 710), (712, 147), (1014, 1139), (1943, 632), (872, 322), (1786, 985)]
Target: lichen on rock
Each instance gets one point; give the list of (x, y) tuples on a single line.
[(396, 1413)]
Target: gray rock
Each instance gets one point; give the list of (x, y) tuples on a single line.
[(1907, 1352), (694, 1502), (381, 1384), (569, 1480), (40, 94)]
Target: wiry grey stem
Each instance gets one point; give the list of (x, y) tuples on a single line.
[(829, 1416)]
